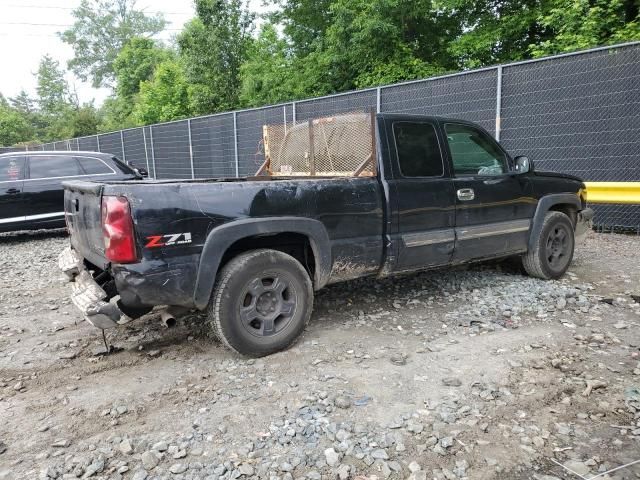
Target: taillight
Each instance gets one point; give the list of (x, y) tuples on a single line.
[(117, 230)]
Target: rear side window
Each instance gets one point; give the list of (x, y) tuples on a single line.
[(50, 166), (11, 168), (93, 166), (418, 150)]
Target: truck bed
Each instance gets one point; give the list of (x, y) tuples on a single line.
[(173, 219)]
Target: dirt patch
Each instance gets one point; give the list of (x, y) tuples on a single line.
[(470, 373)]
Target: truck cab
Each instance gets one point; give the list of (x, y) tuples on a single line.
[(480, 204)]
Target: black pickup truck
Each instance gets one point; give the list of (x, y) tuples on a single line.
[(250, 252)]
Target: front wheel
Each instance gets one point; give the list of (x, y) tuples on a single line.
[(552, 252), (262, 302)]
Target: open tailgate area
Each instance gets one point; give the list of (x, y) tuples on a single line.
[(82, 206)]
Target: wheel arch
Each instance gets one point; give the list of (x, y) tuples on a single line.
[(567, 203), (223, 238)]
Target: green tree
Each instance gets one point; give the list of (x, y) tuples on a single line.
[(580, 24), (506, 30), (267, 74), (385, 41), (55, 101), (304, 22), (23, 103), (27, 106), (273, 73), (101, 29), (135, 63), (116, 113), (165, 97), (337, 45), (14, 127), (495, 31), (213, 46), (53, 90), (84, 121)]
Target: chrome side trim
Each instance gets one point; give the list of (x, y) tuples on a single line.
[(26, 218), (44, 215), (429, 238), (11, 220), (491, 229)]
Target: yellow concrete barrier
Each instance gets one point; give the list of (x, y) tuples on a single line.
[(613, 192)]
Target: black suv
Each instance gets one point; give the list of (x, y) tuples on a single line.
[(31, 193)]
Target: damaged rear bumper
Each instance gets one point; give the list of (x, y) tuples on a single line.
[(584, 223), (86, 294)]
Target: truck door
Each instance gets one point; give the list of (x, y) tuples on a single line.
[(494, 206), (423, 199), (11, 183)]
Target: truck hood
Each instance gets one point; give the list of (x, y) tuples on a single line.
[(558, 175)]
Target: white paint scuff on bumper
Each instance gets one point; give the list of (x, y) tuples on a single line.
[(86, 294)]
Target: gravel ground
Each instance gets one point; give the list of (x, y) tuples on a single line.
[(478, 373)]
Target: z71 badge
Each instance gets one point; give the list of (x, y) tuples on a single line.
[(168, 240)]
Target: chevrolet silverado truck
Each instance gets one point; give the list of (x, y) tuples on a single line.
[(250, 252)]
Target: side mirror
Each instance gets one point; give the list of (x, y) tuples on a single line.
[(523, 165), (143, 172)]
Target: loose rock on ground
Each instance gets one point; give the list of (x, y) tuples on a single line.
[(475, 372)]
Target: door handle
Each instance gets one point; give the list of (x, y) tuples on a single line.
[(466, 194), (12, 191)]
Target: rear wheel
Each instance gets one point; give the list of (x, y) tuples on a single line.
[(262, 302), (552, 252)]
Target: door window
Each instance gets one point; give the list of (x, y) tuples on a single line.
[(11, 168), (418, 150), (52, 166), (93, 166), (473, 152)]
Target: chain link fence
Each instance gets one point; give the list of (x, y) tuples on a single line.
[(579, 114), (576, 113)]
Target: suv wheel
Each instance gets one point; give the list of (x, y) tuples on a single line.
[(262, 302), (553, 249)]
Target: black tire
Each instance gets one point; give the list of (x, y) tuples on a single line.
[(261, 303), (553, 249)]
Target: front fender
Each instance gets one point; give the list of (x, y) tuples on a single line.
[(222, 237), (544, 205)]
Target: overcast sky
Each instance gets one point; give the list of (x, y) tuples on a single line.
[(28, 31)]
